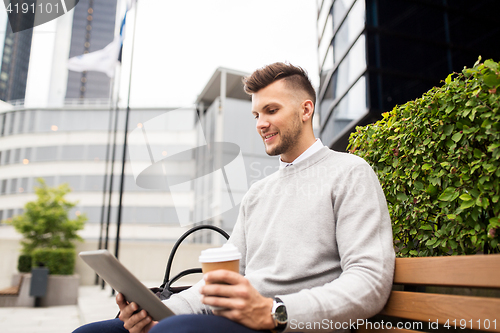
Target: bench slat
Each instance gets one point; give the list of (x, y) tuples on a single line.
[(363, 329), (425, 307), (481, 271)]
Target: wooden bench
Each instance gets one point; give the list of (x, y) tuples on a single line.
[(13, 290), (437, 290)]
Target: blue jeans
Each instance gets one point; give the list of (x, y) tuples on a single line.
[(174, 324)]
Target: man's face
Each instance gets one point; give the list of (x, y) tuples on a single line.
[(278, 113)]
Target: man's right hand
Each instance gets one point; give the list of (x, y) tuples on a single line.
[(138, 322)]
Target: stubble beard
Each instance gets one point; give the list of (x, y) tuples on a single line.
[(287, 140)]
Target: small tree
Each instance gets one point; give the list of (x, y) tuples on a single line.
[(45, 224), (438, 160)]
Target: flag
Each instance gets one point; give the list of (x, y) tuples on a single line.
[(104, 60)]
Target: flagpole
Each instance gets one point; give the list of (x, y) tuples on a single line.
[(106, 165), (115, 110), (117, 241)]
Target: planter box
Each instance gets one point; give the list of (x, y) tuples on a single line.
[(61, 290)]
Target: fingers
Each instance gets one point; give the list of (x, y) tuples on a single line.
[(224, 303), (121, 301), (223, 275), (223, 290), (135, 322)]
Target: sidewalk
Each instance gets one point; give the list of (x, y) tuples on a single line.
[(93, 304)]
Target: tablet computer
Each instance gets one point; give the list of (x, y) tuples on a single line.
[(119, 278)]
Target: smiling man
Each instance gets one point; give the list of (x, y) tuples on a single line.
[(315, 236)]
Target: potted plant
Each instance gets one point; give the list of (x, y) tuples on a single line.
[(48, 240)]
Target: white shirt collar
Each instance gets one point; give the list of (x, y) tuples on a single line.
[(317, 145)]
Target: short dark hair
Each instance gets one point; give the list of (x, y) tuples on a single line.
[(294, 76)]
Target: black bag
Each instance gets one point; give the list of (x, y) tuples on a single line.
[(166, 290)]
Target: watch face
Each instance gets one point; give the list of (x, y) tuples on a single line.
[(280, 314)]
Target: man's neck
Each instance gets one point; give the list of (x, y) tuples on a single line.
[(304, 145)]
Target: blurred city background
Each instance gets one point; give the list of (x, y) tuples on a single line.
[(188, 57)]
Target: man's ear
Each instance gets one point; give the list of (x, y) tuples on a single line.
[(307, 110)]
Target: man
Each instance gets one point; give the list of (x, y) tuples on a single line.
[(315, 236)]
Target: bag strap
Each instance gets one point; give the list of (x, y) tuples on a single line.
[(178, 243)]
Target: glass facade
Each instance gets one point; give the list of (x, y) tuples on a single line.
[(93, 29), (16, 55), (342, 52), (375, 54), (60, 147)]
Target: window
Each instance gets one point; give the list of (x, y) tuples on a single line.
[(7, 157), (12, 120), (73, 153), (17, 156), (2, 124), (31, 124), (94, 183), (4, 187), (74, 182), (24, 185), (20, 124), (46, 153), (13, 186), (349, 31), (27, 154), (97, 153)]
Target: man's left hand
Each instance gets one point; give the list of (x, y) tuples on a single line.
[(242, 303)]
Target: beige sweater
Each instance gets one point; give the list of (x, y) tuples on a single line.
[(318, 235)]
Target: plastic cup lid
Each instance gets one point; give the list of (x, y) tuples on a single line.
[(227, 252)]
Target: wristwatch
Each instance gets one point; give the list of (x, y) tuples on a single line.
[(279, 315)]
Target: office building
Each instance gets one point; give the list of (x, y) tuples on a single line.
[(31, 80), (375, 54), (15, 56), (93, 28), (69, 145)]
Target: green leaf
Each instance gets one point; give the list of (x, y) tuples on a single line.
[(491, 64), (449, 194), (491, 80), (495, 222), (457, 136), (448, 79), (465, 197), (426, 166), (486, 123), (427, 141), (426, 227), (402, 197), (419, 186), (431, 242), (448, 129), (467, 204)]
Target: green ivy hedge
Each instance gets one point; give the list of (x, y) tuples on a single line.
[(58, 261), (437, 158), (24, 263)]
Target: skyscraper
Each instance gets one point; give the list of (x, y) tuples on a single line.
[(16, 55), (374, 54), (93, 28), (89, 27)]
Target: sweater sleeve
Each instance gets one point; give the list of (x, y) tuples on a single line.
[(365, 246)]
